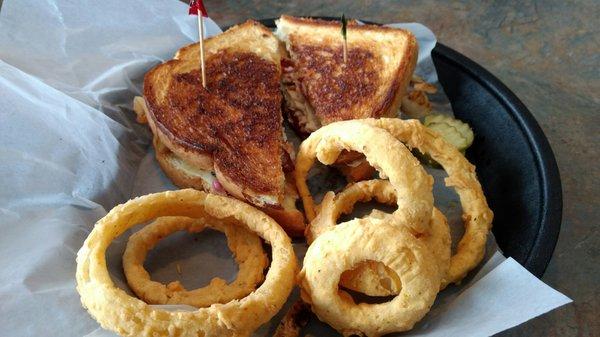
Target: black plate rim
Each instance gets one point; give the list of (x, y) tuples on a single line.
[(539, 255), (541, 252)]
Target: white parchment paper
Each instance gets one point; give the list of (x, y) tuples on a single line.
[(70, 150)]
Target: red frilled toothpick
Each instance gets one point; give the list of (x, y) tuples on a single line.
[(197, 8)]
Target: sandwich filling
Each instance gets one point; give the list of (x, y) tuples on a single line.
[(297, 107)]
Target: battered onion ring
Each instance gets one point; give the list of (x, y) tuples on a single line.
[(375, 279), (359, 240), (385, 153), (245, 246), (477, 216), (370, 277), (115, 310)]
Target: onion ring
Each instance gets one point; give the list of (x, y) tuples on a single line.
[(477, 216), (245, 246), (348, 244), (370, 277), (385, 153), (115, 310), (334, 205), (375, 279)]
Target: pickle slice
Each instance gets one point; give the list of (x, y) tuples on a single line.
[(454, 131)]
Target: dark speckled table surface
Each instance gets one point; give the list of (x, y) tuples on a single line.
[(548, 53)]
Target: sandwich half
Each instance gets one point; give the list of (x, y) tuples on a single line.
[(227, 137), (320, 88)]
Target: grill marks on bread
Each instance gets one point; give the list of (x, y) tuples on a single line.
[(331, 86), (237, 118)]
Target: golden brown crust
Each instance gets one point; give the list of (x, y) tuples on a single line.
[(380, 63), (241, 132), (235, 124), (155, 82), (331, 86)]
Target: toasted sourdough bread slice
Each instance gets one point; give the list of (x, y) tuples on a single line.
[(235, 124), (234, 127), (371, 83), (320, 88)]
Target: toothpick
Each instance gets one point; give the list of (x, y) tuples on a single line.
[(201, 40), (345, 41)]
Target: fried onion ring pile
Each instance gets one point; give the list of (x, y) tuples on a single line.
[(115, 310), (245, 245), (405, 253)]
